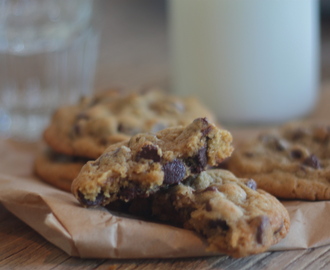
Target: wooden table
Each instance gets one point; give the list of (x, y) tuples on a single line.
[(22, 248)]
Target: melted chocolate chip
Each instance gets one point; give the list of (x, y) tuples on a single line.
[(198, 163), (206, 131), (219, 223), (312, 161), (208, 207), (296, 154), (263, 222), (174, 172), (149, 152), (189, 180), (204, 120), (131, 192), (252, 184), (98, 200)]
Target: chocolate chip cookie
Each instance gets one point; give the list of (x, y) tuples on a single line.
[(87, 128), (57, 169), (292, 161), (140, 166), (234, 216)]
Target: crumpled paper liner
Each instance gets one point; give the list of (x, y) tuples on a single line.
[(97, 233)]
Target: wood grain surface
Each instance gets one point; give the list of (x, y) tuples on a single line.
[(133, 53)]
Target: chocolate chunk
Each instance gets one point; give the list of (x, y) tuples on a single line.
[(198, 163), (190, 180), (208, 206), (131, 192), (149, 152), (174, 172), (252, 184), (206, 131), (296, 154), (219, 223), (262, 223), (312, 161), (204, 120), (98, 200)]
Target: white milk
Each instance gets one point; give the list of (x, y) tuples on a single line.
[(250, 61)]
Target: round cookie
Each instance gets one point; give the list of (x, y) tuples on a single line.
[(87, 128), (233, 215), (291, 162), (57, 169)]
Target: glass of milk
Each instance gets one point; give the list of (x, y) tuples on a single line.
[(48, 52), (250, 61)]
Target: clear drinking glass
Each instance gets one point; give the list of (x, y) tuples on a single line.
[(48, 52)]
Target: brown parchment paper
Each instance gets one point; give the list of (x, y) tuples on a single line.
[(97, 233)]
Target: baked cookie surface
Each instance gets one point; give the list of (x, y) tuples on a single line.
[(233, 215), (140, 166), (58, 170), (291, 162), (87, 128)]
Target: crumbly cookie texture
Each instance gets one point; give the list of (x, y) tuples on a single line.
[(89, 127), (57, 169), (140, 166), (234, 216), (290, 162)]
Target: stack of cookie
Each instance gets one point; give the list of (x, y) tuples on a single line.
[(290, 162), (154, 152), (170, 170), (82, 131)]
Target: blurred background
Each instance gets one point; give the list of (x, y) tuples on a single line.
[(133, 45), (126, 44), (134, 48)]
